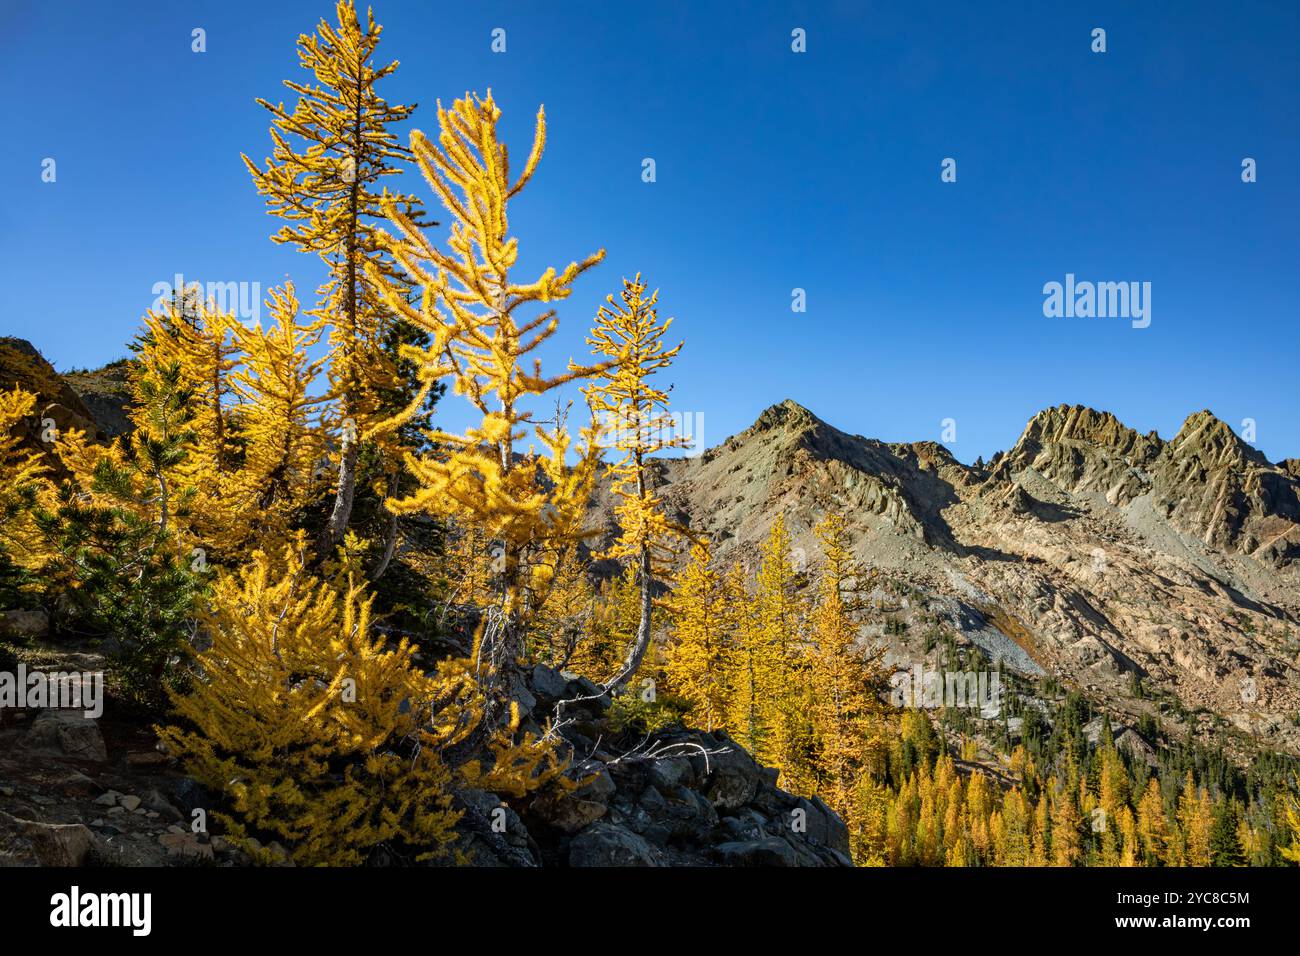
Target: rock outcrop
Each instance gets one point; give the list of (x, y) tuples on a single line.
[(679, 797), (106, 394), (23, 366), (94, 402)]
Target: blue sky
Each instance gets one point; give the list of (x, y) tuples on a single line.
[(775, 171)]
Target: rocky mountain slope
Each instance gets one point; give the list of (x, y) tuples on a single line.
[(22, 365), (1105, 558)]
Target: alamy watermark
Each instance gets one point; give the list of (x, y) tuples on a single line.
[(243, 300), (683, 430), (64, 690), (930, 689), (73, 909), (1100, 300)]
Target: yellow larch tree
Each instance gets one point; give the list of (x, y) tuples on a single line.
[(23, 483), (1016, 824), (1067, 835), (784, 690), (698, 656), (848, 719), (331, 153), (282, 447), (199, 340), (195, 341), (1153, 826), (600, 652), (564, 626), (1127, 826), (634, 411), (1292, 850), (750, 666), (1041, 851), (313, 730), (480, 339), (1195, 820), (979, 802), (869, 823)]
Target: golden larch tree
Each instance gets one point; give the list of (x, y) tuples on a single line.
[(311, 727), (23, 483), (848, 719), (282, 445), (698, 656), (331, 153), (1153, 826), (481, 340), (634, 411), (784, 693)]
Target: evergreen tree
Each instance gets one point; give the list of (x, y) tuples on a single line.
[(1225, 847), (118, 535)]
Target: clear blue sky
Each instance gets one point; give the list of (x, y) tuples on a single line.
[(775, 170)]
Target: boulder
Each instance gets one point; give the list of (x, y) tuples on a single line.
[(491, 833), (732, 778), (768, 852), (32, 843), (548, 683), (24, 624), (186, 846), (69, 731), (567, 811), (603, 844), (599, 786)]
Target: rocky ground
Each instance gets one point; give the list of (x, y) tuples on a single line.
[(76, 791)]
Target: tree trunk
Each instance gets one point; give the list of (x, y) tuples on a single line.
[(390, 535), (347, 487), (636, 654)]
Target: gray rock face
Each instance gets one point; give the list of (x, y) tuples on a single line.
[(680, 798), (767, 852), (604, 845), (1089, 550), (24, 624), (29, 843), (70, 732)]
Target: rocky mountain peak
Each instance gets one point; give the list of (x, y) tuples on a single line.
[(788, 414), (1079, 424), (1213, 443)]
